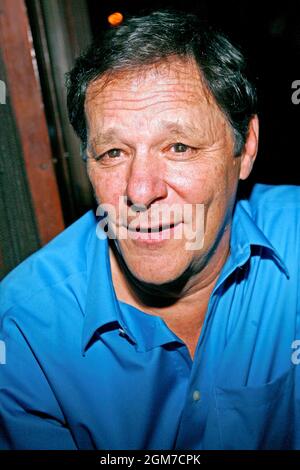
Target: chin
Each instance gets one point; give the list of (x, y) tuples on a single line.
[(156, 275), (155, 268), (151, 275), (156, 280)]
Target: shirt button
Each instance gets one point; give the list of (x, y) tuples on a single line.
[(196, 395)]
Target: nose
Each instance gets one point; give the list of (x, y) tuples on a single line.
[(145, 183)]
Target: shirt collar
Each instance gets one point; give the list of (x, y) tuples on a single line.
[(103, 308), (245, 234)]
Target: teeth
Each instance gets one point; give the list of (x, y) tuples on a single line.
[(153, 230)]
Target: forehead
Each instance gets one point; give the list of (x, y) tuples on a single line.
[(170, 78), (172, 90)]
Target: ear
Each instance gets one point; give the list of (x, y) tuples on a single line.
[(250, 150)]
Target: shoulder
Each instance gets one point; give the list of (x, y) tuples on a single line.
[(275, 208), (44, 271), (282, 197), (276, 211)]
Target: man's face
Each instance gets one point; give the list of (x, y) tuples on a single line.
[(163, 142)]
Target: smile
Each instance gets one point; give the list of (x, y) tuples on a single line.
[(160, 228), (153, 236)]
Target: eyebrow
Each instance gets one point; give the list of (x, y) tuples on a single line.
[(173, 128), (177, 128)]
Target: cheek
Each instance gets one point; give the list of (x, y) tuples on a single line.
[(202, 183), (222, 179), (108, 186), (221, 197), (214, 186)]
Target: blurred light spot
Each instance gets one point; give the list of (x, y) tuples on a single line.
[(115, 18)]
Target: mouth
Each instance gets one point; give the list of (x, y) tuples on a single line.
[(153, 236), (158, 229)]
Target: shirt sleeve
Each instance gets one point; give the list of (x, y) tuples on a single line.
[(30, 415)]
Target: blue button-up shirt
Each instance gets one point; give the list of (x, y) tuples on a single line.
[(80, 369)]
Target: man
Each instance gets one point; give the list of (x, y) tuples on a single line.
[(147, 328)]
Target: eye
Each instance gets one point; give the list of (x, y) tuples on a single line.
[(113, 153), (179, 147), (110, 154)]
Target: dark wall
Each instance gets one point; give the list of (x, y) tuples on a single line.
[(269, 34)]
